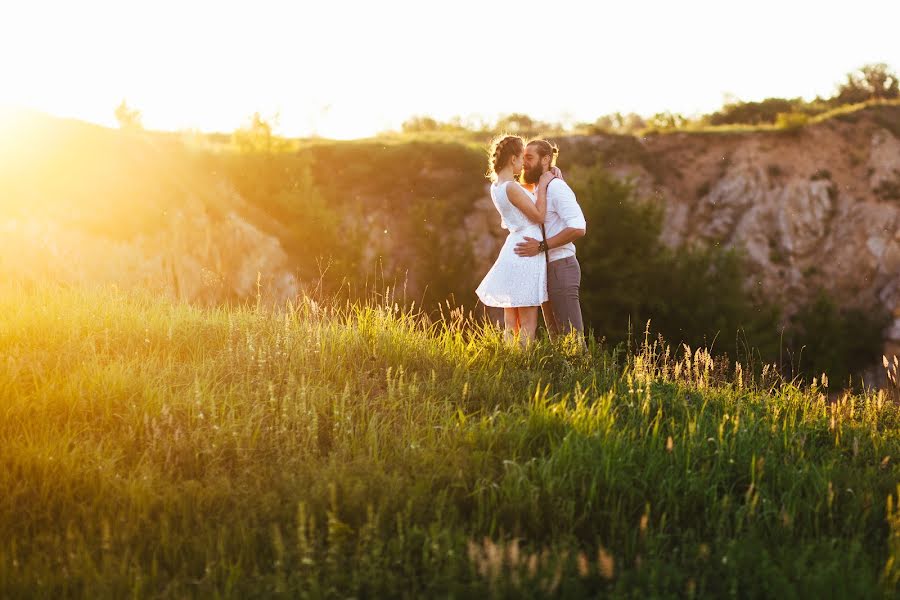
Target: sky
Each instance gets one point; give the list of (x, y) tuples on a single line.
[(345, 69)]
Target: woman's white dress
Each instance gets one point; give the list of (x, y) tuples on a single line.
[(514, 281)]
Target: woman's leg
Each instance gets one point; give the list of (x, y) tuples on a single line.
[(528, 316), (511, 322)]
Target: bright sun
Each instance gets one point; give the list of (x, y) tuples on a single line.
[(350, 68), (10, 122)]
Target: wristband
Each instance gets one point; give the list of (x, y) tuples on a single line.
[(542, 246)]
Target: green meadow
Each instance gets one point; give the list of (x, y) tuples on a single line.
[(337, 450)]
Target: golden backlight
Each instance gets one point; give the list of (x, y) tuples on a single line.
[(348, 69)]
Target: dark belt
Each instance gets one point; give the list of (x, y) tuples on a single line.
[(563, 261)]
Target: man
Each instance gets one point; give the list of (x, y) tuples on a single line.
[(563, 225)]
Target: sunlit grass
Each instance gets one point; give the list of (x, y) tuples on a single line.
[(151, 449), (699, 126), (852, 108)]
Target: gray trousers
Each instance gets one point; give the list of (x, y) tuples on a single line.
[(563, 283)]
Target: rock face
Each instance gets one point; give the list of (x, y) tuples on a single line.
[(816, 208), (83, 204), (229, 259)]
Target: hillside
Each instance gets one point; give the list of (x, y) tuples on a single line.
[(160, 450), (84, 204), (813, 208)]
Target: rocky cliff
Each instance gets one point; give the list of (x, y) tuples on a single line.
[(813, 208), (817, 207), (80, 203)]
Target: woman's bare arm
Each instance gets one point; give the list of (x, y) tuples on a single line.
[(535, 211)]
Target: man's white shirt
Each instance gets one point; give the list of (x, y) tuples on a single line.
[(563, 211)]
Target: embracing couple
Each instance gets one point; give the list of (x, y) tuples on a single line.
[(533, 269)]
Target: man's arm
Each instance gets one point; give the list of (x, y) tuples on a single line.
[(569, 211), (530, 247)]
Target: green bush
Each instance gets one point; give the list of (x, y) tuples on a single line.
[(765, 111), (665, 121), (411, 198), (314, 232), (359, 216), (869, 82), (692, 296), (790, 121), (823, 338)]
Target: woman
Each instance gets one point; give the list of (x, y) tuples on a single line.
[(517, 284)]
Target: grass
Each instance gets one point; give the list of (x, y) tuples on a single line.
[(792, 121), (159, 450)]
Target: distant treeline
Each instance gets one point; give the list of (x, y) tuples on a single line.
[(875, 82), (872, 82)]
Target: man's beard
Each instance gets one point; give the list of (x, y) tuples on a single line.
[(533, 175)]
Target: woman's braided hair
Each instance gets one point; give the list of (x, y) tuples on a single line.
[(503, 148)]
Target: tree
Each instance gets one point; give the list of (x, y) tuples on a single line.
[(825, 338), (257, 136), (667, 120), (870, 82), (618, 123), (419, 124), (522, 124), (755, 113), (422, 124), (632, 123), (606, 123), (129, 118)]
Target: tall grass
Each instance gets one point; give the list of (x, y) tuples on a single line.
[(158, 450)]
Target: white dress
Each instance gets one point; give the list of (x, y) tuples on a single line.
[(514, 281)]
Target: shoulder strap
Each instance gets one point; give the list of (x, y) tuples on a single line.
[(547, 253)]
